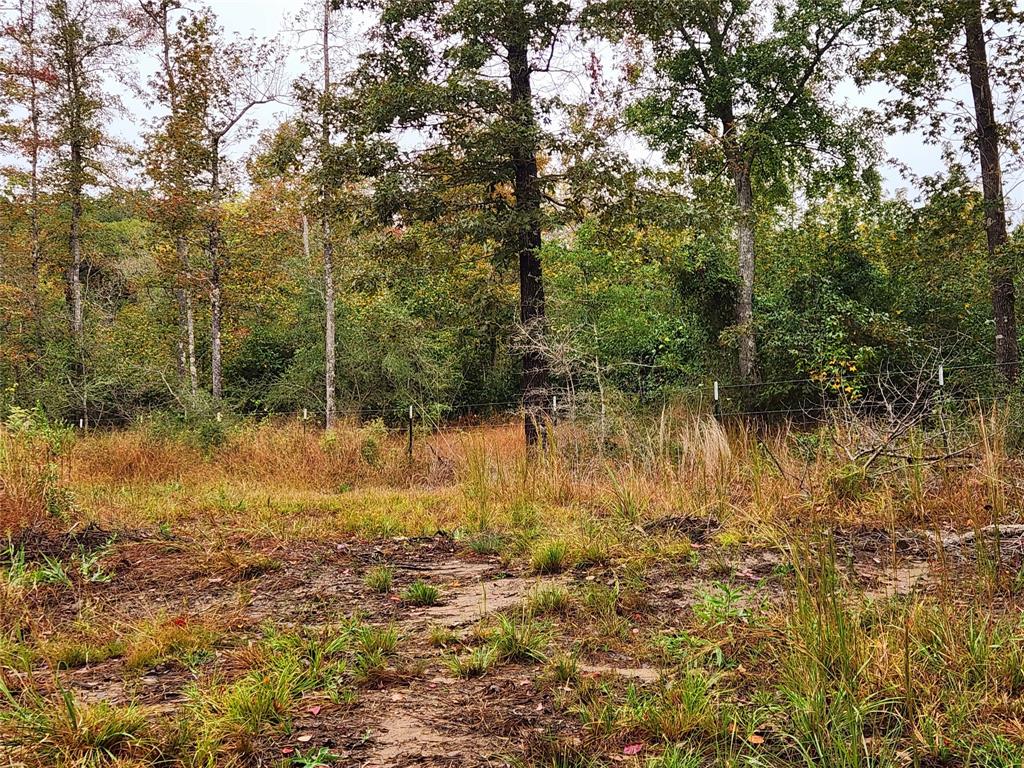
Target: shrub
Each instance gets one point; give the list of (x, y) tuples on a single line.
[(371, 436)]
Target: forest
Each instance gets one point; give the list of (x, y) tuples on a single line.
[(511, 384), (471, 206)]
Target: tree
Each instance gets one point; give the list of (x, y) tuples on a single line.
[(739, 86), (83, 39), (226, 80), (459, 75), (175, 158), (925, 49), (26, 82), (330, 350)]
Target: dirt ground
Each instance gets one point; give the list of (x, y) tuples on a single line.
[(420, 714)]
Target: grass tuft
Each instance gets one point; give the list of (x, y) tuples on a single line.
[(379, 578), (421, 593), (549, 557)]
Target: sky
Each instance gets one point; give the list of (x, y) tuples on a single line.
[(266, 18)]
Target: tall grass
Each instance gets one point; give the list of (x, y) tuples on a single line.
[(32, 494), (678, 463)]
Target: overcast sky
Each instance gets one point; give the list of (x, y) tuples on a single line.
[(266, 18)]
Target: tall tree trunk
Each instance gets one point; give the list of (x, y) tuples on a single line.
[(325, 233), (745, 301), (181, 345), (1001, 272), (190, 335), (75, 129), (216, 380), (528, 216), (186, 323), (35, 137), (74, 273)]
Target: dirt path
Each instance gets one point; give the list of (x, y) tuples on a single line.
[(418, 713)]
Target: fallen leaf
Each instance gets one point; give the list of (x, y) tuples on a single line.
[(287, 750), (305, 737), (315, 710), (633, 749), (755, 739)]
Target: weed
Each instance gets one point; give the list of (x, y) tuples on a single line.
[(677, 757), (721, 605), (89, 565), (319, 759), (52, 571)]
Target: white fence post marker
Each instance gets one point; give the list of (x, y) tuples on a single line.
[(942, 377), (716, 391)]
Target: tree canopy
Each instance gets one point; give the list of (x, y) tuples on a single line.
[(463, 214)]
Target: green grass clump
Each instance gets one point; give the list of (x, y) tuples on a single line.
[(520, 640), (222, 720), (562, 670), (548, 600), (421, 593), (62, 731), (377, 639), (75, 652), (474, 664), (487, 543), (379, 578), (441, 637), (154, 642), (549, 557)]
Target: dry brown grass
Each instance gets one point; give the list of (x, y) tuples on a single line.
[(30, 490), (284, 479)]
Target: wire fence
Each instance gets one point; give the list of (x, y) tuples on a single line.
[(886, 390)]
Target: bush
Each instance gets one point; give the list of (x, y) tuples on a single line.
[(371, 436)]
